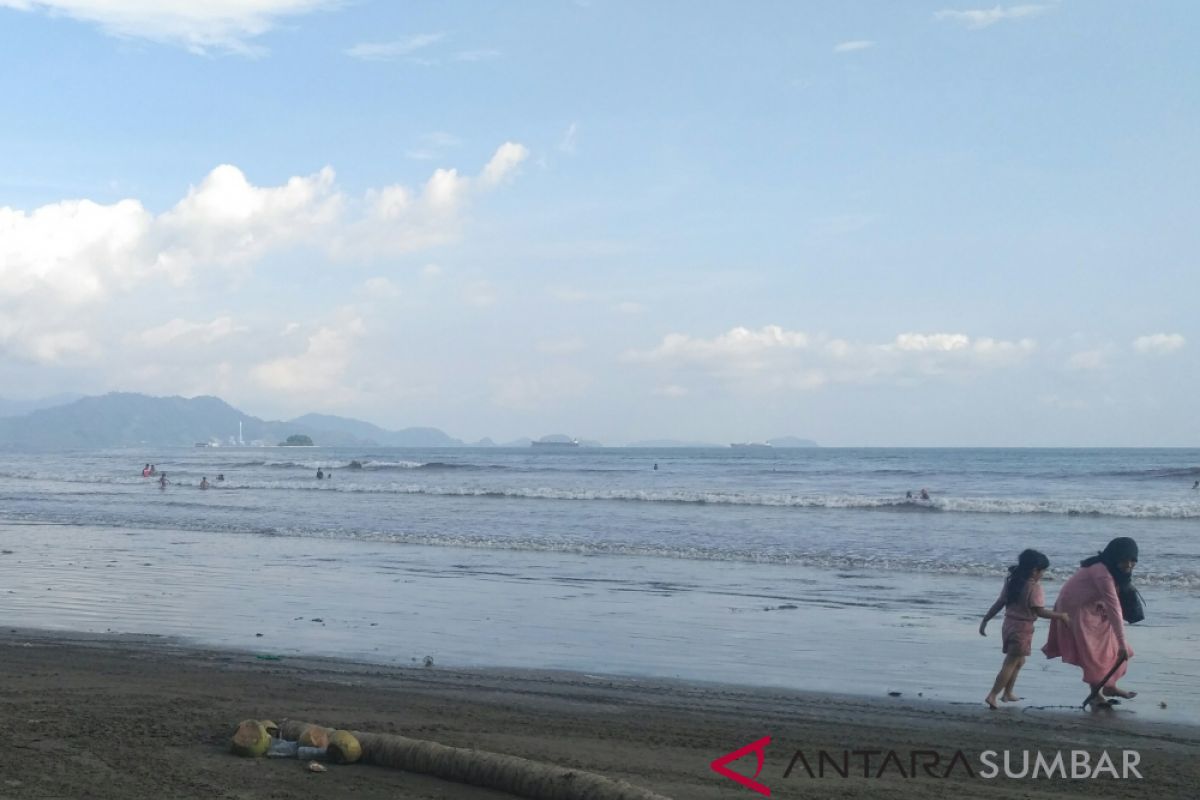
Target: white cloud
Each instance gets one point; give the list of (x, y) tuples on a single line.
[(322, 366), (630, 307), (225, 25), (1159, 343), (852, 46), (60, 262), (504, 163), (227, 220), (773, 357), (389, 51), (986, 17), (177, 330)]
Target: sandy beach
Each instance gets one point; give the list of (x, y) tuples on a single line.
[(128, 717)]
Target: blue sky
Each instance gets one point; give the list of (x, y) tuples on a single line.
[(865, 223)]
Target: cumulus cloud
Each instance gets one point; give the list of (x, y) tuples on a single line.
[(985, 17), (781, 358), (62, 260), (200, 27), (852, 46), (321, 367), (1159, 343)]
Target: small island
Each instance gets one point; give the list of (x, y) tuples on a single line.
[(297, 440)]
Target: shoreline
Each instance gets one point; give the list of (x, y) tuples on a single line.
[(862, 633), (130, 716)]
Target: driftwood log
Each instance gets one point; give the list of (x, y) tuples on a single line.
[(518, 776)]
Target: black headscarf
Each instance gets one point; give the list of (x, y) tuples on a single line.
[(1122, 549)]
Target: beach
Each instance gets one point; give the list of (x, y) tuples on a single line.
[(149, 717), (582, 610)]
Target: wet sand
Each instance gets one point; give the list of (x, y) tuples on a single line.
[(126, 717)]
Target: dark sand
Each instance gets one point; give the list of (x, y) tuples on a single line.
[(100, 717)]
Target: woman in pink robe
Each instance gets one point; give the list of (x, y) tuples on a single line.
[(1094, 638)]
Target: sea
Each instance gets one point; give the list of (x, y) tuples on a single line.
[(808, 568)]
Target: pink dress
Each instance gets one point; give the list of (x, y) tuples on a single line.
[(1017, 633), (1096, 630)]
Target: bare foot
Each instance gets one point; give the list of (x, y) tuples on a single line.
[(991, 701), (1122, 693), (1009, 697)]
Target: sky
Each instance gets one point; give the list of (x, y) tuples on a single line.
[(864, 223)]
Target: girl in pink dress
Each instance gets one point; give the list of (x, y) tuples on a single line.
[(1023, 602), (1094, 639)]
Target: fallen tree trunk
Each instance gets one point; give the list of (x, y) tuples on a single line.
[(512, 774)]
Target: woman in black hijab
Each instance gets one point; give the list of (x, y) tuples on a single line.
[(1094, 639)]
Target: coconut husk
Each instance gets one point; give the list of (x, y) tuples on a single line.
[(343, 748), (314, 736), (250, 739), (517, 776)]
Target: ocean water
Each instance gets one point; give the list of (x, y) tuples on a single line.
[(805, 567)]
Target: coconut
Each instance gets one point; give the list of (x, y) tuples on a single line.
[(250, 739), (344, 748), (272, 728), (315, 736)]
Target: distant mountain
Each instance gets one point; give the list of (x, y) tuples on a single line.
[(791, 441), (373, 434), (123, 419), (15, 408)]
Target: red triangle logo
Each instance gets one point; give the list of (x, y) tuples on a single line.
[(719, 765)]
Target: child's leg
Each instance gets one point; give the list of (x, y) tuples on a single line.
[(1008, 695), (1006, 670)]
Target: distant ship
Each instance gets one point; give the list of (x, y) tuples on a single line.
[(750, 446), (555, 443)]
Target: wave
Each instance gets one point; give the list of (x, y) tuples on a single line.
[(346, 483), (1186, 576), (1014, 506), (1151, 474)]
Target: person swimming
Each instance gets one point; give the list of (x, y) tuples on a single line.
[(221, 478), (204, 482), (162, 481), (320, 473), (924, 494)]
